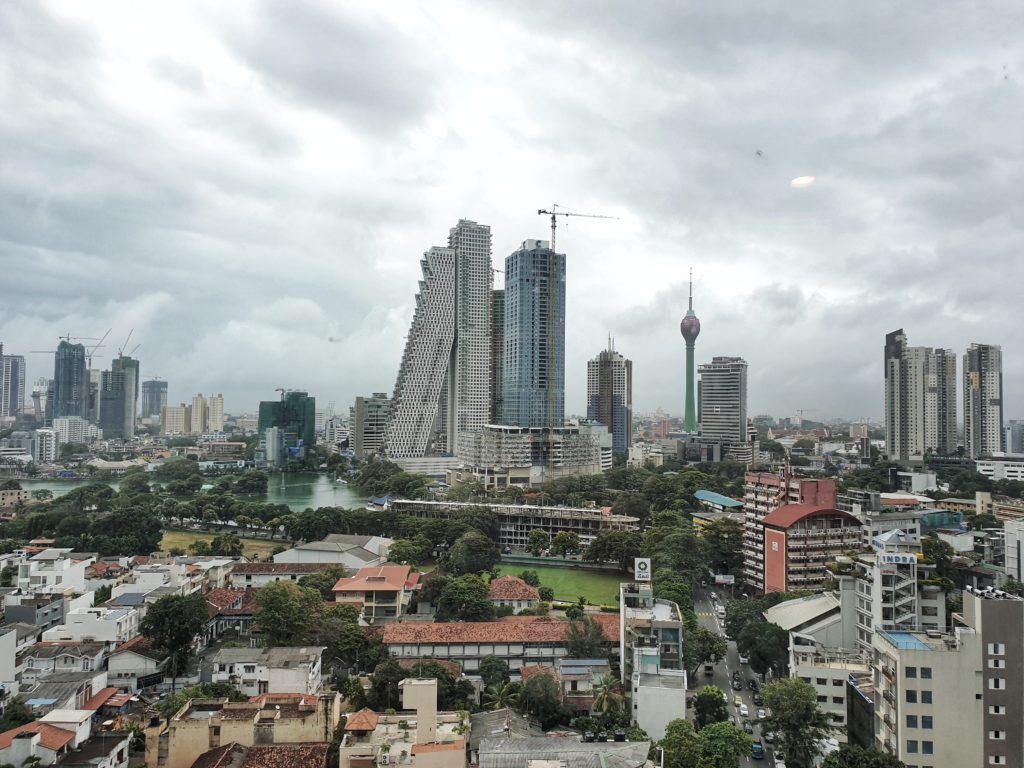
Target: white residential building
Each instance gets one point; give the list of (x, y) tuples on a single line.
[(107, 625), (255, 671), (983, 400), (52, 571), (47, 446), (1013, 530), (215, 413), (827, 670), (75, 429), (444, 380)]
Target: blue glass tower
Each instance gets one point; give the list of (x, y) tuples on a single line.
[(533, 376)]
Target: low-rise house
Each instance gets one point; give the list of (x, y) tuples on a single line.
[(231, 612), (108, 625), (260, 574), (273, 718), (105, 569), (136, 664), (54, 571), (65, 737), (62, 690), (43, 659), (519, 641), (504, 722), (384, 592), (426, 738), (353, 552), (256, 671), (514, 593), (44, 611)]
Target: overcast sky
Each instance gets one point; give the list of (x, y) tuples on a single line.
[(250, 185)]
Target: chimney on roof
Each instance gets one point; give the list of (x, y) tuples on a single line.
[(421, 695)]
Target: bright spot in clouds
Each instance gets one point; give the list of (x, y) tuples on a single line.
[(802, 181)]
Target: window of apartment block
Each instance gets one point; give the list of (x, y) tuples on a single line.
[(997, 735), (926, 673), (912, 747), (910, 671), (837, 683), (996, 684), (997, 759), (997, 663), (823, 699), (911, 721), (821, 681), (996, 649), (911, 697), (837, 699), (926, 721), (927, 748), (926, 697), (996, 709)]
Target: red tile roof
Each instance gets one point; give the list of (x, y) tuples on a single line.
[(363, 720), (281, 567), (99, 699), (141, 645), (50, 736), (384, 578), (511, 588), (789, 515), (540, 630), (286, 756), (219, 602)]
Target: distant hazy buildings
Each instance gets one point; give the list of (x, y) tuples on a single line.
[(920, 400), (1014, 436), (176, 419), (444, 380), (497, 353), (533, 388), (129, 364), (198, 418), (215, 413), (722, 404), (154, 398), (12, 384), (70, 387), (75, 429), (690, 329), (610, 396), (117, 402), (983, 400), (369, 422)]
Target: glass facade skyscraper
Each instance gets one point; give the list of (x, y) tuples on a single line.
[(154, 397), (294, 415), (12, 383), (70, 395), (533, 386), (610, 396)]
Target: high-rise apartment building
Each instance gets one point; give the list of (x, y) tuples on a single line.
[(369, 422), (1013, 435), (215, 413), (920, 400), (47, 446), (199, 415), (117, 403), (154, 398), (128, 363), (70, 395), (956, 698), (12, 384), (497, 353), (722, 400), (444, 380), (533, 388), (176, 419), (75, 429), (983, 400), (765, 492), (690, 329), (610, 396)]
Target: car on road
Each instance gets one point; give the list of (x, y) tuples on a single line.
[(761, 714), (709, 669), (770, 737), (737, 700), (757, 750), (737, 685), (720, 610), (758, 699), (752, 684), (779, 760), (744, 659), (748, 727), (744, 711)]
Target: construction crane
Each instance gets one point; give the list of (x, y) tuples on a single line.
[(132, 352), (120, 350), (554, 213), (91, 352)]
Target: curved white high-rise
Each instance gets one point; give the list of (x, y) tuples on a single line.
[(444, 380)]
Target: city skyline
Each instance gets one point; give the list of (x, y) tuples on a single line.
[(360, 169)]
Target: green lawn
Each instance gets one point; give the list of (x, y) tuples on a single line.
[(260, 547), (598, 587)]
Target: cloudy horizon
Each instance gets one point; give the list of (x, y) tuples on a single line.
[(250, 186)]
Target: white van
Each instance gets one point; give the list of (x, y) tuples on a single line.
[(721, 611)]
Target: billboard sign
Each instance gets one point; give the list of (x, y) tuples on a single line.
[(642, 568)]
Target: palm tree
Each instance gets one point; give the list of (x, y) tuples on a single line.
[(608, 695), (502, 695)]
